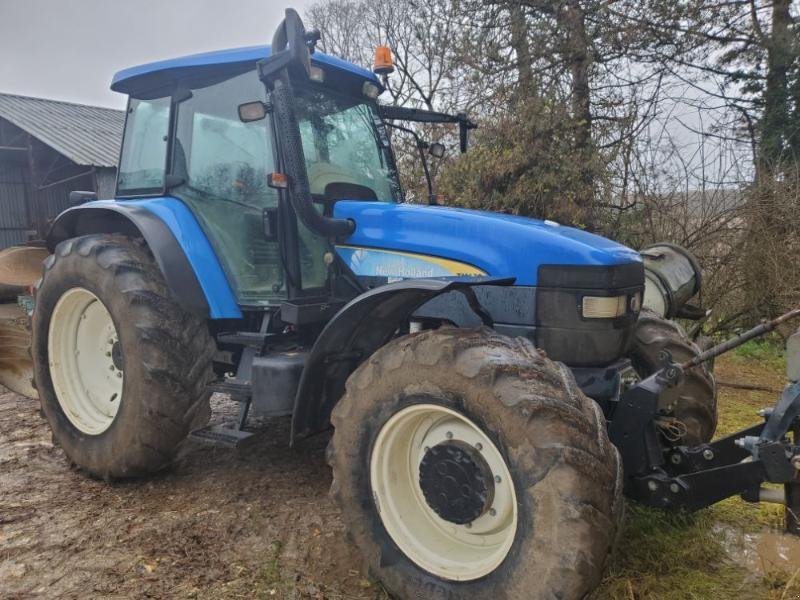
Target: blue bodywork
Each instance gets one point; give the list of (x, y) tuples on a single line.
[(183, 225), (128, 81), (390, 240), (497, 244)]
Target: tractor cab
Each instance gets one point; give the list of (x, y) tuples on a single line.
[(202, 129)]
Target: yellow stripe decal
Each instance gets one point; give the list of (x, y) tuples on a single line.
[(395, 263)]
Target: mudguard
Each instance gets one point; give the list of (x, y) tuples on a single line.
[(365, 324), (178, 244)]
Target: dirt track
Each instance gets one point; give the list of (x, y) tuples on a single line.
[(248, 523)]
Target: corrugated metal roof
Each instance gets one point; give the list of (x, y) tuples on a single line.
[(87, 135)]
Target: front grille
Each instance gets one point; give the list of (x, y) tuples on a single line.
[(562, 330)]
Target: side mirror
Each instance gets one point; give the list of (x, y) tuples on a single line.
[(436, 150), (252, 111)]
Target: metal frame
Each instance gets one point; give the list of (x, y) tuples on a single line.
[(690, 478)]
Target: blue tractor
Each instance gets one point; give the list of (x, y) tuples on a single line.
[(489, 378)]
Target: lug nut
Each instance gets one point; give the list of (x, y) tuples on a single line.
[(674, 488), (708, 454), (119, 374), (468, 525), (652, 486), (497, 479), (675, 459), (111, 368), (449, 435), (479, 446), (492, 512)]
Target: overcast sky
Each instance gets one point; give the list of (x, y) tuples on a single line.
[(70, 49)]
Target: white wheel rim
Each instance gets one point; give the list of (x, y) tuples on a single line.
[(440, 547), (82, 340)]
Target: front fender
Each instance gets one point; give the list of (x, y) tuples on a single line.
[(178, 244), (365, 324)]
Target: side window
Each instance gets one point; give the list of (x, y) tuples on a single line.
[(224, 164), (144, 147), (229, 158)]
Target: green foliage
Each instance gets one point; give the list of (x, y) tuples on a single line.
[(523, 163)]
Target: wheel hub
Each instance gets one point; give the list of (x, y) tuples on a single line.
[(456, 481), (443, 491)]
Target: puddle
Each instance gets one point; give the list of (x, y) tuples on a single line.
[(763, 552)]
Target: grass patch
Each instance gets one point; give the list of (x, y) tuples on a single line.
[(769, 351), (671, 557), (271, 582)]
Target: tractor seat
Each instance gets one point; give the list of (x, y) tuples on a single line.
[(339, 190)]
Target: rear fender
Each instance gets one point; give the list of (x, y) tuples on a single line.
[(365, 324), (178, 244)]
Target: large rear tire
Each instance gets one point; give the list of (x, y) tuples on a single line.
[(694, 401), (468, 465), (120, 368)]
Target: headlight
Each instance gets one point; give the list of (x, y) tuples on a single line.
[(604, 307), (793, 356)]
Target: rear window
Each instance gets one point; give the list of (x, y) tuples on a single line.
[(144, 148)]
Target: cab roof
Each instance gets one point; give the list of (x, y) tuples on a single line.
[(150, 75)]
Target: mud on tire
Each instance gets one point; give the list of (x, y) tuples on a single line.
[(567, 475), (694, 401), (167, 357)]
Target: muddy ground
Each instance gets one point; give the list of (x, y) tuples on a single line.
[(257, 523), (249, 523)]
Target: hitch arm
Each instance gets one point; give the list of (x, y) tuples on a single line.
[(732, 343)]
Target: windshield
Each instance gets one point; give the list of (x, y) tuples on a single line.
[(345, 146)]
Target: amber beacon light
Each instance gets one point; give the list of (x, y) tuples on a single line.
[(383, 63)]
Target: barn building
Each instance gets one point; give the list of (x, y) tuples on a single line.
[(49, 148)]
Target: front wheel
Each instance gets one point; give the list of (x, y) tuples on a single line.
[(693, 402), (120, 368), (468, 465)]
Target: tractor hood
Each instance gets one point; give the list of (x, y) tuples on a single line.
[(409, 240)]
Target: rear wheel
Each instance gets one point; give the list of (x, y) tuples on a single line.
[(120, 368), (467, 465), (694, 402)]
